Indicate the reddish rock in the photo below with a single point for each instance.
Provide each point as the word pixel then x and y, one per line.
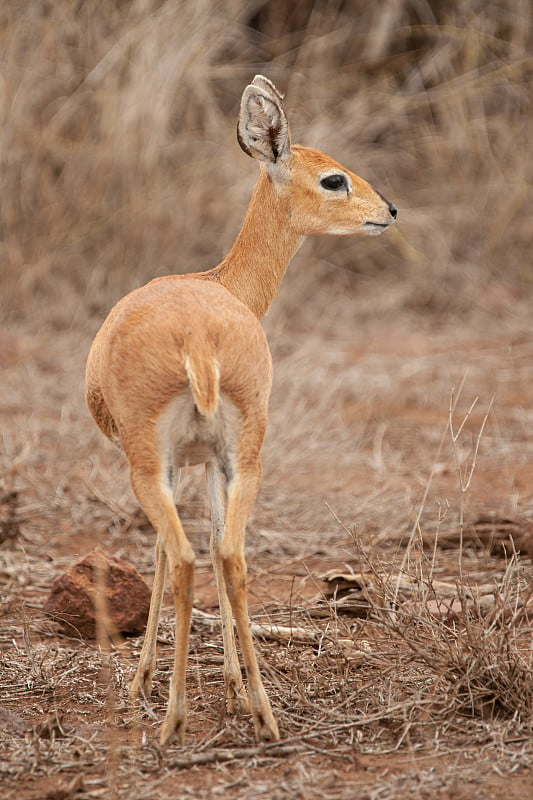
pixel 73 598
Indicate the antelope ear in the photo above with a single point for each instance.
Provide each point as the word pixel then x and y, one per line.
pixel 263 130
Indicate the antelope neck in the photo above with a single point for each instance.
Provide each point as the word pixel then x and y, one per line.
pixel 255 265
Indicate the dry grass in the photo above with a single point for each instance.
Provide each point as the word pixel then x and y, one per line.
pixel 119 162
pixel 117 139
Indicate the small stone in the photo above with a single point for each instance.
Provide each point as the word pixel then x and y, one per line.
pixel 73 598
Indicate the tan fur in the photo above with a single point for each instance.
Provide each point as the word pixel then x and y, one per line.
pixel 203 375
pixel 180 373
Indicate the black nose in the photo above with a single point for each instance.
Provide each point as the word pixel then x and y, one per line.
pixel 392 208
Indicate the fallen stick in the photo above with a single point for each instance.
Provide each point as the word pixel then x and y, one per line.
pixel 356 651
pixel 275 632
pixel 214 756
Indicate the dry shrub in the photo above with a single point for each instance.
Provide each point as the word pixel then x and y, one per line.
pixel 480 659
pixel 469 641
pixel 118 157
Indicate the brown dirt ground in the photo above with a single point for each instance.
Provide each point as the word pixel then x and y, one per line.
pixel 359 468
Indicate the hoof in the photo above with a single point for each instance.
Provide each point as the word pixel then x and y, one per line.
pixel 172 732
pixel 237 700
pixel 266 730
pixel 142 684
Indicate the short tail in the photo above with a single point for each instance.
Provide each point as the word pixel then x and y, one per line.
pixel 204 379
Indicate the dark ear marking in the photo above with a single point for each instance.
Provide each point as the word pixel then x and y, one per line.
pixel 243 144
pixel 273 133
pixel 263 130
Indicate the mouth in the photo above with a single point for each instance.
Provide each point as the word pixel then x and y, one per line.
pixel 375 228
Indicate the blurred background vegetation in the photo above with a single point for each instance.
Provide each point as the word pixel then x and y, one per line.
pixel 119 161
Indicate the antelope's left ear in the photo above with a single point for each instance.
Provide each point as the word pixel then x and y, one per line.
pixel 263 130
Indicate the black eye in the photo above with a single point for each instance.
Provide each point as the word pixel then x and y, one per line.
pixel 334 182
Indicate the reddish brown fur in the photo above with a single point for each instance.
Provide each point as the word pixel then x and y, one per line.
pixel 137 361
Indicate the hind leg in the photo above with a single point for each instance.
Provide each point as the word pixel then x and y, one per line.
pixel 236 699
pixel 241 496
pixel 142 682
pixel 157 501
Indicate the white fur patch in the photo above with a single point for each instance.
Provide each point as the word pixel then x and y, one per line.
pixel 187 438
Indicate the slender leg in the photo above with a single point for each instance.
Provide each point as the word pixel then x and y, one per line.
pixel 158 504
pixel 241 497
pixel 236 699
pixel 142 682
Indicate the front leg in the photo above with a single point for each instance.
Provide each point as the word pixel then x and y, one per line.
pixel 142 682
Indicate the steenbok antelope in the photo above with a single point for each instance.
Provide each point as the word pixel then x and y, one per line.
pixel 180 374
